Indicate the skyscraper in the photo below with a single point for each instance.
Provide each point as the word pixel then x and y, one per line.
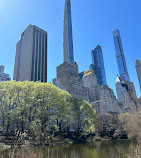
pixel 120 56
pixel 31 55
pixel 98 65
pixel 138 69
pixel 4 76
pixel 67 34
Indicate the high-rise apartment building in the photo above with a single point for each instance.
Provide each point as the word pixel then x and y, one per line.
pixel 67 34
pixel 138 69
pixel 31 55
pixel 120 56
pixel 4 76
pixel 98 65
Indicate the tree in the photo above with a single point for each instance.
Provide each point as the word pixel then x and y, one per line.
pixel 84 115
pixel 42 109
pixel 132 125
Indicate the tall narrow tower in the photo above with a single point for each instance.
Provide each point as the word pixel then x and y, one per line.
pixel 68 39
pixel 120 56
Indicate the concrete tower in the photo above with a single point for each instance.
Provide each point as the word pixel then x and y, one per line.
pixel 120 56
pixel 67 34
pixel 31 55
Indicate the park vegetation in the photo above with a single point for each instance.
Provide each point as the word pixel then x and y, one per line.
pixel 131 124
pixel 124 126
pixel 44 112
pixel 43 109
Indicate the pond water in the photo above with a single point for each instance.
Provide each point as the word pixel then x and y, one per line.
pixel 108 149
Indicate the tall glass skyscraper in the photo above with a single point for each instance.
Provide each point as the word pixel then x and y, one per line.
pixel 120 56
pixel 98 65
pixel 67 34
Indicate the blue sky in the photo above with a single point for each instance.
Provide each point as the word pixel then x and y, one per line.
pixel 93 22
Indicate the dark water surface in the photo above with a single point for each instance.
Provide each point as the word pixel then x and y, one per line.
pixel 108 149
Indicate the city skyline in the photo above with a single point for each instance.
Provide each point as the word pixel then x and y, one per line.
pixel 81 51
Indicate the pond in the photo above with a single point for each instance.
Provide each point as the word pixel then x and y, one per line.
pixel 107 149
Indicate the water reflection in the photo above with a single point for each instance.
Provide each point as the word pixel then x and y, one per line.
pixel 116 149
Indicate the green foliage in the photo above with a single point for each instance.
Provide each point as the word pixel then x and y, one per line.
pixel 83 115
pixel 42 108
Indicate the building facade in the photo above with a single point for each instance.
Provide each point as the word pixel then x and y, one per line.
pixel 69 79
pixel 126 95
pixel 120 56
pixel 31 55
pixel 100 96
pixel 98 65
pixel 4 76
pixel 67 34
pixel 138 70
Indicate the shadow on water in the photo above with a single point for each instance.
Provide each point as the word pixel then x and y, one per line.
pixel 107 149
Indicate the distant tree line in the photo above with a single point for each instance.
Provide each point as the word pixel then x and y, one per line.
pixel 42 108
pixel 124 126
